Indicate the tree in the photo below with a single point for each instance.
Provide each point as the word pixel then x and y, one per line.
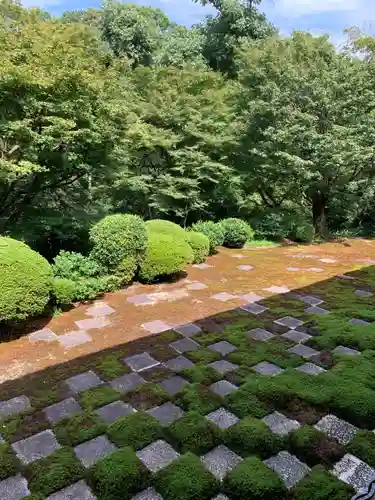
pixel 180 46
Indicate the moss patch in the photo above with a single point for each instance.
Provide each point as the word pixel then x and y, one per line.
pixel 321 485
pixel 78 429
pixel 98 396
pixel 194 433
pixel 198 398
pixel 147 396
pixel 8 462
pixel 136 430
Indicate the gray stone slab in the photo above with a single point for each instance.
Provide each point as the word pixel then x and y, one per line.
pixel 141 362
pixel 223 418
pixel 83 381
pixel 340 349
pixel 111 412
pixel 43 335
pixel 166 414
pixel 196 286
pixel 202 266
pixel 265 368
pixel 91 323
pixel 35 447
pixel 178 364
pixel 221 497
pixel 310 300
pixel 223 366
pixel 363 293
pixel 303 350
pixel 316 310
pixel 173 385
pixel 14 488
pixel 245 268
pixel 355 472
pixel 14 406
pixel 289 322
pixel 223 296
pixel 76 491
pixel 157 455
pixel 223 388
pixel 149 494
pixel 279 424
pixel 61 410
pixel 184 345
pixel 127 382
pixel 141 300
pixel 223 347
pixel 94 450
pixel 345 277
pixel 336 428
pixel 74 338
pixel 251 297
pixel 311 369
pixel 296 336
pixel 359 322
pixel 254 308
pixel 220 461
pixel 156 326
pixel 188 330
pixel 288 467
pixel 100 310
pixel 260 334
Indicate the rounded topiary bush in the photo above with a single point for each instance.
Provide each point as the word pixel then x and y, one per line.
pixel 166 227
pixel 236 232
pixel 26 281
pixel 214 232
pixel 64 290
pixel 165 255
pixel 200 245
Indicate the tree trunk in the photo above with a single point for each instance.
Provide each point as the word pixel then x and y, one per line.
pixel 319 205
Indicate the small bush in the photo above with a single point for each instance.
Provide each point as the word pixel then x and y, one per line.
pixel 200 245
pixel 236 232
pixel 74 266
pixel 165 255
pixel 321 485
pixel 136 430
pixel 161 226
pixel 90 288
pixel 363 446
pixel 194 433
pixel 8 462
pixel 64 290
pixel 78 429
pixel 214 232
pixel 26 281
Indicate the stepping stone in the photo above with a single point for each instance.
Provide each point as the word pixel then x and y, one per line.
pixel 178 364
pixel 223 418
pixel 35 447
pixel 254 308
pixel 127 382
pixel 223 366
pixel 188 330
pixel 220 461
pixel 245 268
pixel 223 347
pixel 360 322
pixel 293 269
pixel 184 345
pixel 296 336
pixel 340 349
pixel 14 406
pixel 149 494
pixel 44 335
pixel 157 455
pixel 61 410
pixel 265 368
pixel 221 497
pixel 202 266
pixel 260 334
pixel 76 491
pixel 363 293
pixel 74 338
pixel 316 310
pixel 238 256
pixel 345 277
pixel 83 381
pixel 156 326
pixel 328 261
pixel 277 289
pixel 94 450
pixel 100 310
pixel 141 300
pixel 166 414
pixel 310 300
pixel 223 296
pixel 223 388
pixel 289 322
pixel 111 412
pixel 336 428
pixel 14 488
pixel 315 269
pixel 279 424
pixel 251 297
pixel 173 385
pixel 197 286
pixel 288 467
pixel 303 350
pixel 311 369
pixel 141 362
pixel 91 323
pixel 355 472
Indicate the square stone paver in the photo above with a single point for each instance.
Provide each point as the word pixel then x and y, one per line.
pixel 340 349
pixel 91 323
pixel 315 269
pixel 303 350
pixel 251 297
pixel 141 362
pixel 260 334
pixel 355 472
pixel 359 322
pixel 83 381
pixel 184 345
pixel 265 368
pixel 166 414
pixel 156 326
pixel 202 266
pixel 328 261
pixel 296 336
pixel 173 385
pixel 74 338
pixel 111 412
pixel 188 330
pixel 14 488
pixel 127 382
pixel 253 308
pixel 35 447
pixel 336 428
pixel 14 406
pixel 220 461
pixel 277 289
pixel 363 293
pixel 223 418
pixel 62 410
pixel 178 364
pixel 238 256
pixel 223 366
pixel 223 296
pixel 76 491
pixel 196 286
pixel 92 451
pixel 100 310
pixel 223 347
pixel 289 322
pixel 293 269
pixel 223 388
pixel 279 424
pixel 311 369
pixel 44 335
pixel 149 494
pixel 157 455
pixel 245 268
pixel 288 467
pixel 141 300
pixel 310 300
pixel 316 310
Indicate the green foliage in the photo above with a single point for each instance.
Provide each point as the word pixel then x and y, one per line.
pixel 26 279
pixel 321 485
pixel 74 266
pixel 201 374
pixel 166 227
pixel 136 430
pixel 284 223
pixel 198 398
pixel 236 232
pixel 8 462
pixel 214 232
pixel 194 433
pixel 78 429
pixel 98 396
pixel 363 446
pixel 200 245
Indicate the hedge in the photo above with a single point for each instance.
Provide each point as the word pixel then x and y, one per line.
pixel 200 245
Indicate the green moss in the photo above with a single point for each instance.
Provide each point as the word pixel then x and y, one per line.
pixel 201 374
pixel 203 356
pixel 78 429
pixel 98 396
pixel 8 462
pixel 194 433
pixel 136 430
pixel 244 404
pixel 110 366
pixel 147 396
pixel 363 446
pixel 321 485
pixel 45 396
pixel 198 398
pixel 186 479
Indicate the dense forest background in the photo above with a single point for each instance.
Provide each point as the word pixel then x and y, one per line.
pixel 120 110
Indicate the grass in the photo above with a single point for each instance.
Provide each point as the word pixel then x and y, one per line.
pixel 261 243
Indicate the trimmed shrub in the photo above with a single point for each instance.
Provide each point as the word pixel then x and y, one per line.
pixel 236 232
pixel 165 255
pixel 136 430
pixel 194 433
pixel 166 227
pixel 26 281
pixel 200 245
pixel 214 232
pixel 74 266
pixel 321 485
pixel 64 290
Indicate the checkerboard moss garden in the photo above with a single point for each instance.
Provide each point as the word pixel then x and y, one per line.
pixel 214 423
